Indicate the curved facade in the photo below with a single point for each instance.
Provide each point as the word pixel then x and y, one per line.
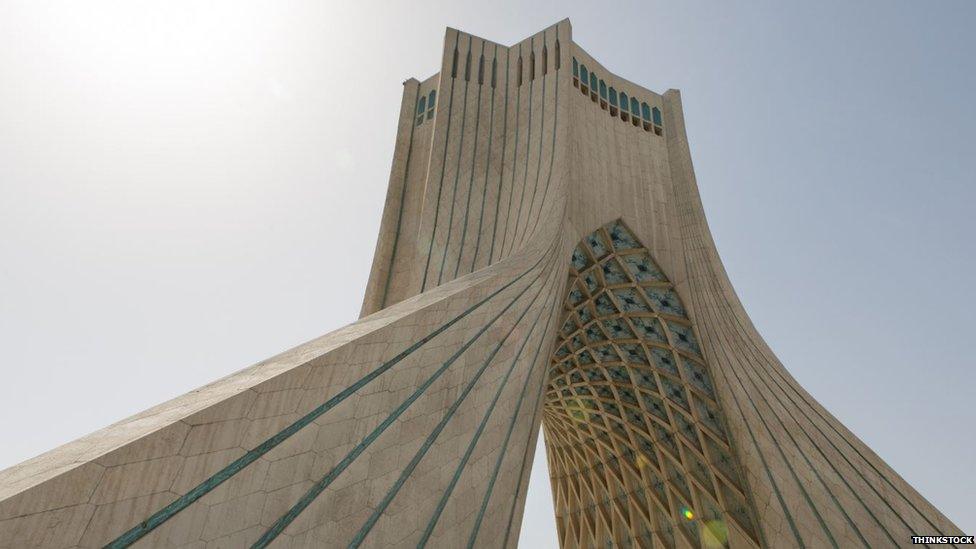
pixel 543 260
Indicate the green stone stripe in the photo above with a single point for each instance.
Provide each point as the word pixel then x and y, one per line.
pixel 511 187
pixel 538 164
pixel 184 501
pixel 501 171
pixel 827 460
pixel 440 184
pixel 457 168
pixel 884 499
pixel 525 458
pixel 762 458
pixel 329 477
pixel 403 195
pixel 474 156
pixel 432 437
pixel 508 435
pixel 442 504
pixel 528 153
pixel 484 193
pixel 552 152
pixel 810 465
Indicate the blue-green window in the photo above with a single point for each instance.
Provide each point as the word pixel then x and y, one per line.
pixel 657 116
pixel 603 90
pixel 634 106
pixel 593 81
pixel 613 96
pixel 646 111
pixel 584 75
pixel 623 101
pixel 431 99
pixel 575 68
pixel 421 107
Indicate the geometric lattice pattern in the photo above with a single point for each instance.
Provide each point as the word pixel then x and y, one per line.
pixel 637 446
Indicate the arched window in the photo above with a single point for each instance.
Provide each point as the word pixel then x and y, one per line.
pixel 657 116
pixel 623 102
pixel 454 64
pixel 613 97
pixel 545 59
pixel 646 111
pixel 557 54
pixel 575 68
pixel 532 66
pixel 421 107
pixel 494 71
pixel 603 90
pixel 593 81
pixel 518 78
pixel 467 67
pixel 481 69
pixel 634 106
pixel 584 76
pixel 431 99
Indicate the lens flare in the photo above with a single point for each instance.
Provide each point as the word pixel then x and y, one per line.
pixel 686 512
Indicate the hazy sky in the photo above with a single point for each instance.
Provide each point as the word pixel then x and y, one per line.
pixel 187 188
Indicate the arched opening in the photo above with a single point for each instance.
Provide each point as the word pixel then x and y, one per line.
pixel 421 107
pixel 631 411
pixel 658 125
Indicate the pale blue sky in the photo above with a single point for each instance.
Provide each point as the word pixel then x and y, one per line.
pixel 187 188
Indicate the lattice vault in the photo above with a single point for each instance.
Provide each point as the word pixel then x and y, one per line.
pixel 635 435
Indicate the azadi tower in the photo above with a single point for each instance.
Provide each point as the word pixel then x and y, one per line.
pixel 543 261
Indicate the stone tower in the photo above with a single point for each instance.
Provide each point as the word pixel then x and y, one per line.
pixel 543 260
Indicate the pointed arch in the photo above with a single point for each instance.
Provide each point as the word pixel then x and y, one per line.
pixel 630 395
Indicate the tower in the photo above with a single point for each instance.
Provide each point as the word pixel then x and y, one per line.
pixel 543 260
